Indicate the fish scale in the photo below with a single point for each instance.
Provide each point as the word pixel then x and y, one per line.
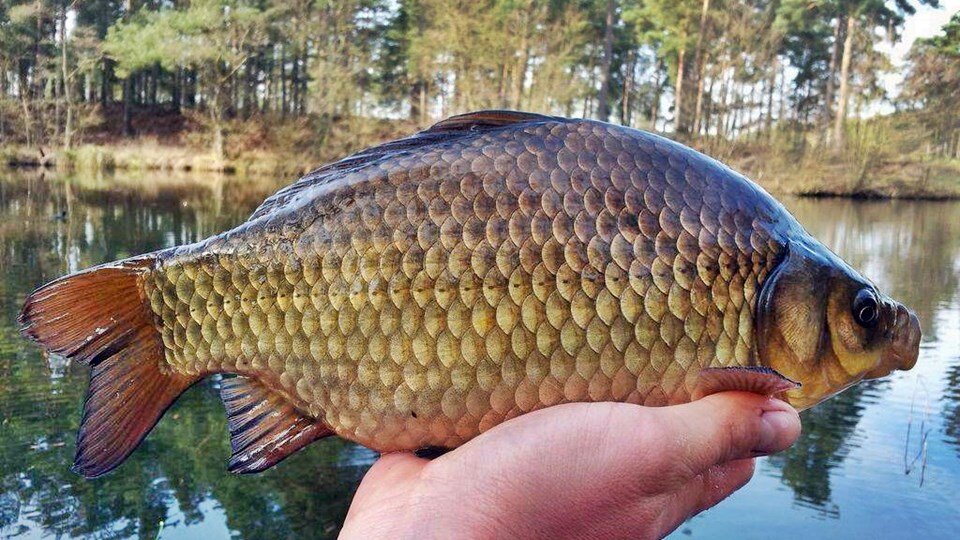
pixel 431 294
pixel 418 293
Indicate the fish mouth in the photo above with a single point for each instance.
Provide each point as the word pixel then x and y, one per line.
pixel 903 333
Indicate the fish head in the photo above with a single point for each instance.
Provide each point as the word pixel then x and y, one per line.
pixel 821 323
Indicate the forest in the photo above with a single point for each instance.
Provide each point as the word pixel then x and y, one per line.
pixel 771 86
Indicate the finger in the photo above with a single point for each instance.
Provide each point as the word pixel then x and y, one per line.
pixel 729 426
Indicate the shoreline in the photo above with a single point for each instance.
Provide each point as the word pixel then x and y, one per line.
pixel 99 159
pixel 935 180
pixel 875 196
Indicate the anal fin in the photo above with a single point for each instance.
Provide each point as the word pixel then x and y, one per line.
pixel 264 427
pixel 758 380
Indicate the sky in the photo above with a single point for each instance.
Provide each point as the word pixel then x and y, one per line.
pixel 925 23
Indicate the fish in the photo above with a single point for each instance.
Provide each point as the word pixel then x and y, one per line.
pixel 418 293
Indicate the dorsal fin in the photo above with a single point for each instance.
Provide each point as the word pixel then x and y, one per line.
pixel 445 130
pixel 264 427
pixel 490 119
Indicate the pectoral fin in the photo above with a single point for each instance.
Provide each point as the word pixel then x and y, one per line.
pixel 759 380
pixel 264 427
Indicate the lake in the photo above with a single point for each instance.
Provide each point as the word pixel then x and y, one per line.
pixel 880 460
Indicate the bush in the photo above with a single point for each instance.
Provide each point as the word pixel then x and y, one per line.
pixel 87 158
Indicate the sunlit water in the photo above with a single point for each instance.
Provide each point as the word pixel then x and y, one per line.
pixel 881 460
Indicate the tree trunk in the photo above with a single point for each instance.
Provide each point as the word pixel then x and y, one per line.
pixel 657 92
pixel 270 96
pixel 175 89
pixel 283 82
pixel 698 110
pixel 603 105
pixel 218 145
pixel 417 104
pixel 625 105
pixel 154 82
pixel 708 109
pixel 423 102
pixel 27 117
pixel 771 85
pixel 678 98
pixel 418 90
pixel 521 70
pixel 304 78
pixel 68 124
pixel 127 81
pixel 844 83
pixel 127 105
pixel 106 86
pixel 191 95
pixel 233 104
pixel 783 93
pixel 831 73
pixel 734 113
pixel 249 101
pixel 503 78
pixel 36 83
pixel 724 112
pixel 216 115
pixel 699 64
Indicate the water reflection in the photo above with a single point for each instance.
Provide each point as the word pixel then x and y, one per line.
pixel 177 480
pixel 827 438
pixel 952 405
pixel 909 249
pixel 50 226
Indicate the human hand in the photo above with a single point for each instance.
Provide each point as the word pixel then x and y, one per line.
pixel 605 470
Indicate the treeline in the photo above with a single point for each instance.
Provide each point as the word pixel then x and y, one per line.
pixel 727 69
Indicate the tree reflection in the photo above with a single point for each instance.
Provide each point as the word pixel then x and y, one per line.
pixel 909 250
pixel 49 226
pixel 826 440
pixel 952 405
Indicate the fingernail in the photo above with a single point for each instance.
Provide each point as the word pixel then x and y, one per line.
pixel 777 428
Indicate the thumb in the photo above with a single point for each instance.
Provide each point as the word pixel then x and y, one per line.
pixel 729 426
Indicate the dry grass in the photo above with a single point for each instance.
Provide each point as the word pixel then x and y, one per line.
pixel 882 158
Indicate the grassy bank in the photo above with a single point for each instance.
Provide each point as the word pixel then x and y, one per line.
pixel 150 155
pixel 169 140
pixel 885 157
pixel 909 177
pixel 934 179
pixel 881 158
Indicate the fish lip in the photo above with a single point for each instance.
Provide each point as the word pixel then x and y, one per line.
pixel 904 348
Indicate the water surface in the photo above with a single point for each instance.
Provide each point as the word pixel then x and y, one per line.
pixel 882 459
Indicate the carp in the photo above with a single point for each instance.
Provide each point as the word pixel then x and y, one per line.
pixel 418 293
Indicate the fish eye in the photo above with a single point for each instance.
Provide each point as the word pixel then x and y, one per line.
pixel 865 309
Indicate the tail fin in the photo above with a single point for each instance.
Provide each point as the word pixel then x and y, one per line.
pixel 101 317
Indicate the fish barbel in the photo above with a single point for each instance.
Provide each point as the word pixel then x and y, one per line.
pixel 423 291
